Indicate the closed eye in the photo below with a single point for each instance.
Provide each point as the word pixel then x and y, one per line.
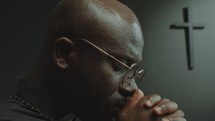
pixel 118 67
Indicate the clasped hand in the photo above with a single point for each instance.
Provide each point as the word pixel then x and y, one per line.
pixel 150 108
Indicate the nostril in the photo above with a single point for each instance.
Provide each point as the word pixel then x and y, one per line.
pixel 128 90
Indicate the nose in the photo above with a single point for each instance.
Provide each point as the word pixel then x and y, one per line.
pixel 128 90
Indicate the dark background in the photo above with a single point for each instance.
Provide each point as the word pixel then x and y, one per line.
pixel 23 27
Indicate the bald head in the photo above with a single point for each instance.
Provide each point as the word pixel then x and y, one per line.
pixel 75 69
pixel 89 18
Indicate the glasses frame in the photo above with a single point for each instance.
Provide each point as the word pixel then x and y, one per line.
pixel 135 73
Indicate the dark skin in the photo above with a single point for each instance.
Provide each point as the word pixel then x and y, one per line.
pixel 86 79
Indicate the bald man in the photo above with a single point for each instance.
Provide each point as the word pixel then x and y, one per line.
pixel 88 70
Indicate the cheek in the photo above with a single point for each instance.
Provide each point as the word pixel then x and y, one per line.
pixel 95 80
pixel 101 80
pixel 97 85
pixel 109 79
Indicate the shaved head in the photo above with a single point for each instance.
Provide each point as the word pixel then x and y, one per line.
pixel 88 79
pixel 88 18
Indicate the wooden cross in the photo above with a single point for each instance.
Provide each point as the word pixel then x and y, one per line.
pixel 188 26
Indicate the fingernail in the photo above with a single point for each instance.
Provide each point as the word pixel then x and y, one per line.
pixel 158 110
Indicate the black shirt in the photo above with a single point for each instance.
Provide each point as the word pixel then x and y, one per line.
pixel 30 102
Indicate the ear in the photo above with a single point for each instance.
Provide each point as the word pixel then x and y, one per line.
pixel 63 52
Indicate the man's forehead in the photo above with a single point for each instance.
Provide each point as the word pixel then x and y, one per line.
pixel 120 34
pixel 125 42
pixel 128 58
pixel 126 50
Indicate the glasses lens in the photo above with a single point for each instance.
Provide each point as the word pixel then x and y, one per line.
pixel 139 75
pixel 131 73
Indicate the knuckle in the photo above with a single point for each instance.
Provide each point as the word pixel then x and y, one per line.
pixel 164 108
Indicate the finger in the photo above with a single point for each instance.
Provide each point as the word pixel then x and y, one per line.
pixel 177 114
pixel 167 107
pixel 132 101
pixel 152 100
pixel 164 100
pixel 174 119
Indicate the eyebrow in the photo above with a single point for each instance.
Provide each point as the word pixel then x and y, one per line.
pixel 128 60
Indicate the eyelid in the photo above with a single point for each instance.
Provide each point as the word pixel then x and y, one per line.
pixel 125 62
pixel 119 67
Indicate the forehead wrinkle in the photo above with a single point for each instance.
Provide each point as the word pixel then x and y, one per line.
pixel 130 45
pixel 125 48
pixel 133 56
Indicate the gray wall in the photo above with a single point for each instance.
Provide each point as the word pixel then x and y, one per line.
pixel 165 58
pixel 22 29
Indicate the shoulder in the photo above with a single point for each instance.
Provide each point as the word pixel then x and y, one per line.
pixel 12 110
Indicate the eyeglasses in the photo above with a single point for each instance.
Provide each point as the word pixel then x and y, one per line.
pixel 132 72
